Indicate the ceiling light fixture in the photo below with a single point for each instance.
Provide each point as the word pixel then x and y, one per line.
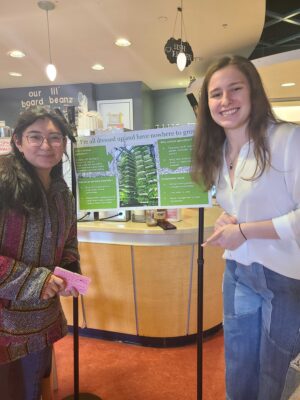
pixel 181 57
pixel 50 69
pixel 97 67
pixel 178 51
pixel 162 18
pixel 122 42
pixel 288 84
pixel 15 74
pixel 16 54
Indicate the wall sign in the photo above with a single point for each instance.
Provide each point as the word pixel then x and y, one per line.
pixel 173 47
pixel 15 100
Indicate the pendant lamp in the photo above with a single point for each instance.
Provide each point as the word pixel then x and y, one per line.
pixel 50 69
pixel 176 50
pixel 181 57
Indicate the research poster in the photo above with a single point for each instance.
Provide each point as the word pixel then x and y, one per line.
pixel 145 169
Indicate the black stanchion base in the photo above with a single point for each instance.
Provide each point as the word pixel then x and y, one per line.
pixel 83 396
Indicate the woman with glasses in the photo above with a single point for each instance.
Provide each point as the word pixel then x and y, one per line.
pixel 37 233
pixel 253 159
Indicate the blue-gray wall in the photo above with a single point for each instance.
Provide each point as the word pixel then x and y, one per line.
pixel 151 108
pixel 125 90
pixel 171 106
pixel 15 100
pixel 148 107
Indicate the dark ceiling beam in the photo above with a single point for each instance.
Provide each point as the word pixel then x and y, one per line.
pixel 282 18
pixel 288 39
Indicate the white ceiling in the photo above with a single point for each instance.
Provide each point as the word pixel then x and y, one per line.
pixel 83 33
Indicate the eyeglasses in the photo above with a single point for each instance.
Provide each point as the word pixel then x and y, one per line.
pixel 36 140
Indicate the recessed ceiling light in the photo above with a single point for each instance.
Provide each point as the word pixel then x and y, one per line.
pixel 122 42
pixel 288 84
pixel 15 74
pixel 97 67
pixel 162 18
pixel 16 53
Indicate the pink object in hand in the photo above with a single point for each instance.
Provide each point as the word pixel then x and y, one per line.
pixel 73 280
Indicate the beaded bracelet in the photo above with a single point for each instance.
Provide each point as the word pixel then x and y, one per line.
pixel 242 232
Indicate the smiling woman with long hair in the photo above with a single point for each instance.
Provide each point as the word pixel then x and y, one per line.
pixel 253 160
pixel 37 233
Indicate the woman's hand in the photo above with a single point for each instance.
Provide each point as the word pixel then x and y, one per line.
pixel 52 287
pixel 224 219
pixel 228 234
pixel 70 292
pixel 228 237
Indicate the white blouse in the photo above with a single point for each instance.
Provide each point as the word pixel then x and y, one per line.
pixel 275 195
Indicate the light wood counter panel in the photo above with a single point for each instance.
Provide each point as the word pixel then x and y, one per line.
pixel 148 286
pixel 162 290
pixel 109 303
pixel 212 289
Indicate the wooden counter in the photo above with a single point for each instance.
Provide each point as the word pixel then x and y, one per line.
pixel 144 279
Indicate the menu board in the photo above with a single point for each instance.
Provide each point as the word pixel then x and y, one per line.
pixel 145 169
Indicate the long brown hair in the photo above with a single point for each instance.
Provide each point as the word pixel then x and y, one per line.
pixel 207 158
pixel 20 186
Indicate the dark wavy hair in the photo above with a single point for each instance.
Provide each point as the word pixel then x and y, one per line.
pixel 20 186
pixel 207 157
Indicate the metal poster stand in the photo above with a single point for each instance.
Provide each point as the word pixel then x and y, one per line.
pixel 200 263
pixel 76 395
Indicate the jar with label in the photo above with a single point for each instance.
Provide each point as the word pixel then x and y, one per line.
pixel 160 213
pixel 150 218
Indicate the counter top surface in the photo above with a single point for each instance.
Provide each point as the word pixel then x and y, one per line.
pixel 138 233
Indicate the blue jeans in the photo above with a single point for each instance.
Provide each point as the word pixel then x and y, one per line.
pixel 262 333
pixel 21 379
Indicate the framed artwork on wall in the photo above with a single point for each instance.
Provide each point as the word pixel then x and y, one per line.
pixel 116 113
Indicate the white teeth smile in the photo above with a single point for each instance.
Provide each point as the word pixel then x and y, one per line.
pixel 229 112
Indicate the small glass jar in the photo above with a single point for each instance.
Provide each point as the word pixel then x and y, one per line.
pixel 138 216
pixel 150 218
pixel 160 213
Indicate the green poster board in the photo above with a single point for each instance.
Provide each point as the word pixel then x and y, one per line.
pixel 140 169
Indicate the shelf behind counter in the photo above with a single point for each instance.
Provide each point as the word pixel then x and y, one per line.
pixel 144 279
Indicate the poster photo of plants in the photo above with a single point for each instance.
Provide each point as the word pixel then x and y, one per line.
pixel 137 176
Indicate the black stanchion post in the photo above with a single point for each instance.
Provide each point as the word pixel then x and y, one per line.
pixel 76 347
pixel 200 263
pixel 76 395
